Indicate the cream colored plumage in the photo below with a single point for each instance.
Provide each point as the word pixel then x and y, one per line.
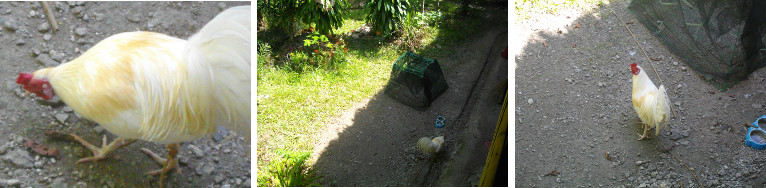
pixel 650 103
pixel 158 88
pixel 428 145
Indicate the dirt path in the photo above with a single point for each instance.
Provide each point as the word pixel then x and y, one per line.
pixel 373 143
pixel 573 89
pixel 29 44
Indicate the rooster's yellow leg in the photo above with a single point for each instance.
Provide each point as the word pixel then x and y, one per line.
pixel 646 128
pixel 167 164
pixel 104 150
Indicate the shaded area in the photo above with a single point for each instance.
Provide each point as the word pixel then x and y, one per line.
pixel 574 114
pixel 374 142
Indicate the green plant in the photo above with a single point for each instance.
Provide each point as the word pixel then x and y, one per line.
pixel 290 171
pixel 318 51
pixel 264 53
pixel 430 18
pixel 326 15
pixel 386 15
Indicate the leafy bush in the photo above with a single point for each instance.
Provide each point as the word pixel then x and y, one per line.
pixel 386 16
pixel 289 15
pixel 290 171
pixel 326 15
pixel 318 51
pixel 264 53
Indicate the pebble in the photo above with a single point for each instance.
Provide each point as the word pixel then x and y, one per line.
pixel 10 182
pixel 47 36
pixel 683 68
pixel 218 178
pixel 56 56
pixel 20 42
pixel 61 118
pixel 11 24
pixel 227 150
pixel 45 60
pixel 756 105
pixel 81 31
pixel 600 84
pixel 221 5
pixel 226 186
pixel 208 169
pixel 675 63
pixel 530 101
pixel 39 164
pixel 19 158
pixel 98 129
pixel 197 152
pixel 44 27
pixel 66 109
pixel 134 18
pixel 568 80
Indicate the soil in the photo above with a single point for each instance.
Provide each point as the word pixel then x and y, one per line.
pixel 574 114
pixel 30 44
pixel 374 142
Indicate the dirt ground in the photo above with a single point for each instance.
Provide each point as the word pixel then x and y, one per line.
pixel 30 44
pixel 374 142
pixel 574 112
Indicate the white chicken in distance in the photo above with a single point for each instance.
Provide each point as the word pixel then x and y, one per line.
pixel 651 103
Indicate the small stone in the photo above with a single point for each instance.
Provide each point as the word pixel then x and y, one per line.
pixel 98 129
pixel 10 182
pixel 47 36
pixel 226 186
pixel 638 163
pixel 53 160
pixel 183 160
pixel 44 27
pixel 19 158
pixel 61 118
pixel 569 80
pixel 66 109
pixel 683 68
pixel 218 178
pixel 134 18
pixel 600 84
pixel 221 5
pixel 20 42
pixel 675 63
pixel 11 24
pixel 530 101
pixel 677 103
pixel 679 86
pixel 197 152
pixel 227 150
pixel 208 169
pixel 81 31
pixel 39 164
pixel 81 185
pixel 757 106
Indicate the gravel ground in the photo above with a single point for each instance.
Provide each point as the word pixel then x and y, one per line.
pixel 30 44
pixel 575 124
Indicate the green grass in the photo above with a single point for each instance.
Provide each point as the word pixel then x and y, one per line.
pixel 526 7
pixel 294 107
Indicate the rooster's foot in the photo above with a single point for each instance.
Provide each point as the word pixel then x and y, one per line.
pixel 167 164
pixel 101 152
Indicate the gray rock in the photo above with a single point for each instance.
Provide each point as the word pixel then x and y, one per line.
pixel 19 158
pixel 66 109
pixel 208 169
pixel 197 152
pixel 45 60
pixel 221 5
pixel 81 185
pixel 247 182
pixel 98 129
pixel 39 164
pixel 225 186
pixel 44 27
pixel 183 160
pixel 218 178
pixel 55 55
pixel 757 106
pixel 227 150
pixel 47 36
pixel 81 31
pixel 11 24
pixel 10 182
pixel 134 18
pixel 20 42
pixel 61 118
pixel 58 182
pixel 530 101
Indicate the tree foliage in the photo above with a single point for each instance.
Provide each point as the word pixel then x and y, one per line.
pixel 386 16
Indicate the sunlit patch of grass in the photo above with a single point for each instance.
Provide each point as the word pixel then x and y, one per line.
pixel 526 7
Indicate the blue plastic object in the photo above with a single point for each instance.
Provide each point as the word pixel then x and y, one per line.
pixel 440 122
pixel 756 137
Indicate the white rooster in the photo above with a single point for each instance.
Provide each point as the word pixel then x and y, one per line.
pixel 153 87
pixel 651 103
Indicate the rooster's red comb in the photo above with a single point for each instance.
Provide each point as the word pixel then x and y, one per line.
pixel 24 78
